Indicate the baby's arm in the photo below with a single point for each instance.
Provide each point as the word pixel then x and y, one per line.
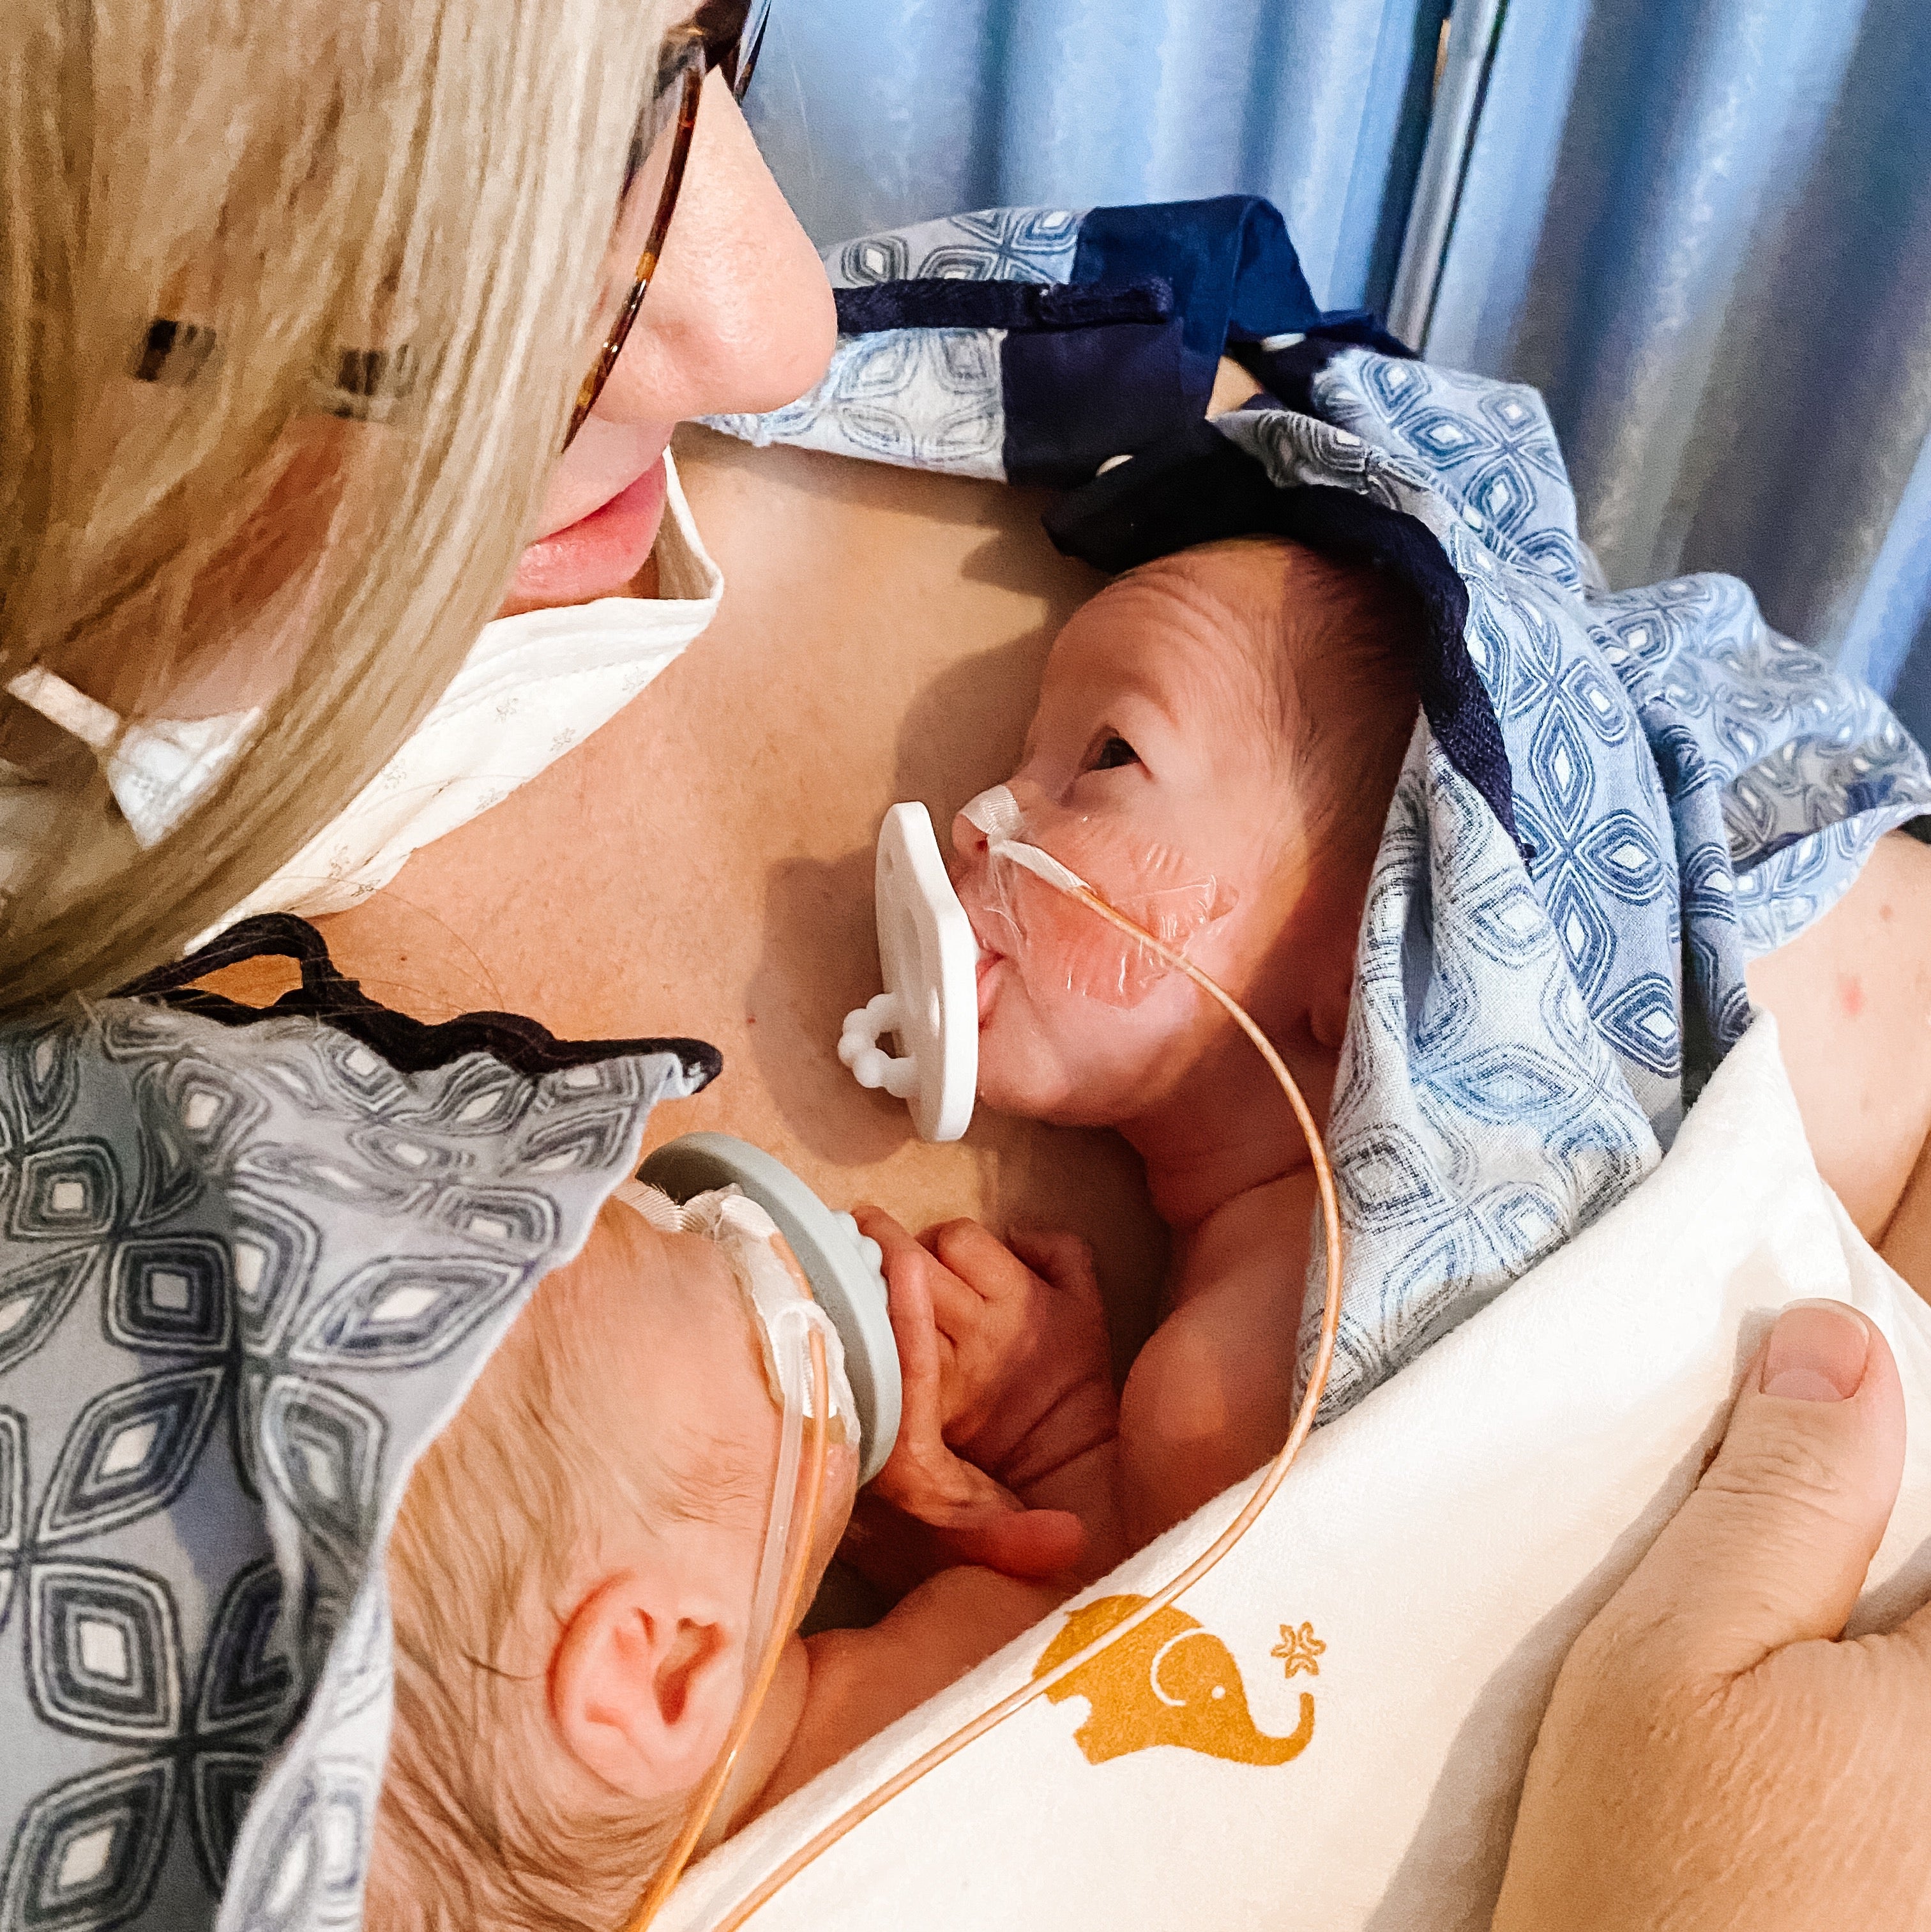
pixel 1008 1366
pixel 1210 1397
pixel 860 1681
pixel 1008 1450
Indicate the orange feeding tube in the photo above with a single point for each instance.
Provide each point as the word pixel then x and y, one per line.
pixel 805 1536
pixel 1065 881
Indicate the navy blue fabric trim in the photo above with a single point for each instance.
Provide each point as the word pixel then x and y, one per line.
pixel 1196 486
pixel 1234 273
pixel 1074 397
pixel 1233 280
pixel 941 302
pixel 410 1045
pixel 1290 372
pixel 1364 328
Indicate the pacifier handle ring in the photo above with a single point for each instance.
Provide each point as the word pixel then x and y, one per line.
pixel 872 1066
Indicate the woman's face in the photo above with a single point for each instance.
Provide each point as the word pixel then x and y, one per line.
pixel 738 317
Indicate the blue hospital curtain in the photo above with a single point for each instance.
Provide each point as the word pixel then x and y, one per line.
pixel 875 112
pixel 1703 229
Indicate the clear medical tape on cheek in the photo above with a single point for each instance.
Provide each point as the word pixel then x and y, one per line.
pixel 1053 940
pixel 999 818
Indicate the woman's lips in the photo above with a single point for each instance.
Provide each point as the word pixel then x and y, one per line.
pixel 597 554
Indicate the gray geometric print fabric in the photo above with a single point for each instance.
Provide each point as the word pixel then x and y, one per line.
pixel 245 1276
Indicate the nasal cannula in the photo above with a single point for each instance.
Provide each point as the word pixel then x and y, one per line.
pixel 929 979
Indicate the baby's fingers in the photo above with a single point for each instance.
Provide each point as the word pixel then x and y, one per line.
pixel 947 1299
pixel 1033 1543
pixel 1063 1259
pixel 979 1259
pixel 914 1328
pixel 976 1520
pixel 894 1244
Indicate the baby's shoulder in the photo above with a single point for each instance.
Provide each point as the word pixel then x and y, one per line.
pixel 1249 1240
pixel 1852 996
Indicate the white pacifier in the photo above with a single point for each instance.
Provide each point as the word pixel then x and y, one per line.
pixel 930 1000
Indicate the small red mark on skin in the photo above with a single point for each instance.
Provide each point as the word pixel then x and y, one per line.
pixel 1884 913
pixel 1850 994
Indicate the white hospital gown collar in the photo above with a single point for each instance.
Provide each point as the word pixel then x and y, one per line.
pixel 533 687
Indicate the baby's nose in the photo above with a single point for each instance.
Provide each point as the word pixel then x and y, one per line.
pixel 993 814
pixel 968 841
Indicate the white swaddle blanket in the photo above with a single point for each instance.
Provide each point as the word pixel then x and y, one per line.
pixel 1421 1575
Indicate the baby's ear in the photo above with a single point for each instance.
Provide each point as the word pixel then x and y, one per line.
pixel 644 1681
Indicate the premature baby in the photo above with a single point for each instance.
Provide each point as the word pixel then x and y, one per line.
pixel 1217 741
pixel 572 1569
pixel 1218 738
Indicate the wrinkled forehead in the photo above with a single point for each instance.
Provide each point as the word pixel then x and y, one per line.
pixel 1199 628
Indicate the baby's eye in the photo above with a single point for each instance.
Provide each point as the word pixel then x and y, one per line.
pixel 1114 752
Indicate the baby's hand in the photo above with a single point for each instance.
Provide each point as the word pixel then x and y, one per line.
pixel 1009 1393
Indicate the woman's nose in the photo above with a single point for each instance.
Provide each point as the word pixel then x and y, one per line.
pixel 739 316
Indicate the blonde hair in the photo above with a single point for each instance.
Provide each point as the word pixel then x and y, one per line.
pixel 468 1836
pixel 309 181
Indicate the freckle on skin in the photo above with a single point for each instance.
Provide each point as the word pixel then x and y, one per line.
pixel 1884 913
pixel 1850 994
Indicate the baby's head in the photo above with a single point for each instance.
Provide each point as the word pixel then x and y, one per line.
pixel 572 1575
pixel 1218 736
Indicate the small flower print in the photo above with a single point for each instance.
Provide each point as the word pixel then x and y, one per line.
pixel 1299 1649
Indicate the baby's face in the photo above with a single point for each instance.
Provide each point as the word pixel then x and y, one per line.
pixel 676 1318
pixel 1157 768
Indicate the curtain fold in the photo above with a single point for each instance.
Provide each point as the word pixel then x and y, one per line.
pixel 1703 229
pixel 874 113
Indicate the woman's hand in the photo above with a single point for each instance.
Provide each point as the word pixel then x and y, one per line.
pixel 1008 1399
pixel 1714 1757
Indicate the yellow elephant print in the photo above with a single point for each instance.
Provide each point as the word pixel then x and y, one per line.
pixel 1171 1681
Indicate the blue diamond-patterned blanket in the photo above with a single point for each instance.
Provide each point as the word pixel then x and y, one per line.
pixel 245 1276
pixel 1689 789
pixel 1693 790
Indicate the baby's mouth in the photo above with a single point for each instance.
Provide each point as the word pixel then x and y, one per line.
pixel 988 986
pixel 989 957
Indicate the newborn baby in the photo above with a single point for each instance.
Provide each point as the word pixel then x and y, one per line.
pixel 1217 739
pixel 572 1574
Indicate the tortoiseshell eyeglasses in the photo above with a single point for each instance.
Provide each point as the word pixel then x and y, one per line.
pixel 725 35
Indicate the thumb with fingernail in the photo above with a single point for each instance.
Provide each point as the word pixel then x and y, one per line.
pixel 1773 1545
pixel 1711 1756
